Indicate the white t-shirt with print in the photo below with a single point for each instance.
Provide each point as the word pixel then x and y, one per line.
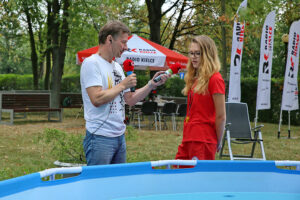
pixel 107 119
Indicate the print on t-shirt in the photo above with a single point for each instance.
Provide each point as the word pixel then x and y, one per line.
pixel 118 79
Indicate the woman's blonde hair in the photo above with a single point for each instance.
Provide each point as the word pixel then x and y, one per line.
pixel 209 64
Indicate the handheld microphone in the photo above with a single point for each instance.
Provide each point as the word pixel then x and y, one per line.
pixel 128 66
pixel 174 68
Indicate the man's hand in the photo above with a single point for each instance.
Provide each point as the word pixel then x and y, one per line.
pixel 164 78
pixel 129 81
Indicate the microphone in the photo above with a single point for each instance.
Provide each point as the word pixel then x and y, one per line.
pixel 174 68
pixel 128 66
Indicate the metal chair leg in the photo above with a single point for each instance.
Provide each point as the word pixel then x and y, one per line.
pixel 229 145
pixel 261 145
pixel 139 121
pixel 155 118
pixel 173 122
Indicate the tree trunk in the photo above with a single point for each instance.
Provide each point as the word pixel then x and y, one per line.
pixel 64 35
pixel 48 45
pixel 173 39
pixel 48 69
pixel 59 49
pixel 154 16
pixel 34 58
pixel 42 54
pixel 56 72
pixel 224 56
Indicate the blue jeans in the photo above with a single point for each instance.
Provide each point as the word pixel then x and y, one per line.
pixel 101 150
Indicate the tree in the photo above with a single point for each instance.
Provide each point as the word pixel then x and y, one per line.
pixel 34 57
pixel 189 18
pixel 224 43
pixel 155 15
pixel 13 48
pixel 48 45
pixel 169 22
pixel 60 33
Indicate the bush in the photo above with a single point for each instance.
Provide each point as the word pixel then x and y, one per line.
pixel 142 80
pixel 172 88
pixel 71 83
pixel 249 92
pixel 65 147
pixel 16 82
pixel 131 133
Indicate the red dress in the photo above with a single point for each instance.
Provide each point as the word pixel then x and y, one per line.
pixel 199 125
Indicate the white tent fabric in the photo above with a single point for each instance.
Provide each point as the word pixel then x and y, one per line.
pixel 143 54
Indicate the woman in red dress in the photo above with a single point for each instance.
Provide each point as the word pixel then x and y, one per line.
pixel 205 89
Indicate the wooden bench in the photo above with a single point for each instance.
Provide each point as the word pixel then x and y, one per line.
pixel 26 102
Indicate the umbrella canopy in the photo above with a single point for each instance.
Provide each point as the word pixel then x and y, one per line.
pixel 144 53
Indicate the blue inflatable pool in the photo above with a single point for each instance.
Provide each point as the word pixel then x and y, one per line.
pixel 209 180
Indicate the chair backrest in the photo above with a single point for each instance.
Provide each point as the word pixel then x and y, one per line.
pixel 169 108
pixel 148 107
pixel 181 111
pixel 237 115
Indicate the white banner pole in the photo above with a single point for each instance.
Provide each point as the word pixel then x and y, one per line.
pixel 280 120
pixel 256 118
pixel 289 130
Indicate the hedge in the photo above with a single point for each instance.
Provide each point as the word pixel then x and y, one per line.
pixel 16 82
pixel 173 87
pixel 248 95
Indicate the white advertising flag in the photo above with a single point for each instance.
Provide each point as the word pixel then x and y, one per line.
pixel 234 94
pixel 290 87
pixel 265 63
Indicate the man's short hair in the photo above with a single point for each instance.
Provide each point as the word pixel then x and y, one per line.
pixel 113 28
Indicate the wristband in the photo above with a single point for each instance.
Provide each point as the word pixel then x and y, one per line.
pixel 151 86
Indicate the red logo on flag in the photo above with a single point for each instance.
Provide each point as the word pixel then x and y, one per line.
pixel 133 50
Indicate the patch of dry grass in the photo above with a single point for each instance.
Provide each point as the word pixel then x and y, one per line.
pixel 21 153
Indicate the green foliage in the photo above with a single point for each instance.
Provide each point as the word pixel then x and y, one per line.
pixel 173 87
pixel 14 53
pixel 71 83
pixel 66 147
pixel 249 91
pixel 91 15
pixel 4 174
pixel 142 78
pixel 16 82
pixel 131 133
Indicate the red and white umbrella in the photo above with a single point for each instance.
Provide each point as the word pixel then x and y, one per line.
pixel 144 53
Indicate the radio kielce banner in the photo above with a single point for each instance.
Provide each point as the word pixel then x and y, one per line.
pixel 265 63
pixel 234 94
pixel 290 87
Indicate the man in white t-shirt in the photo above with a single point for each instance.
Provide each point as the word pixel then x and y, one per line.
pixel 105 90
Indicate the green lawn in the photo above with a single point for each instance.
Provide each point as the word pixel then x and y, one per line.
pixel 22 153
